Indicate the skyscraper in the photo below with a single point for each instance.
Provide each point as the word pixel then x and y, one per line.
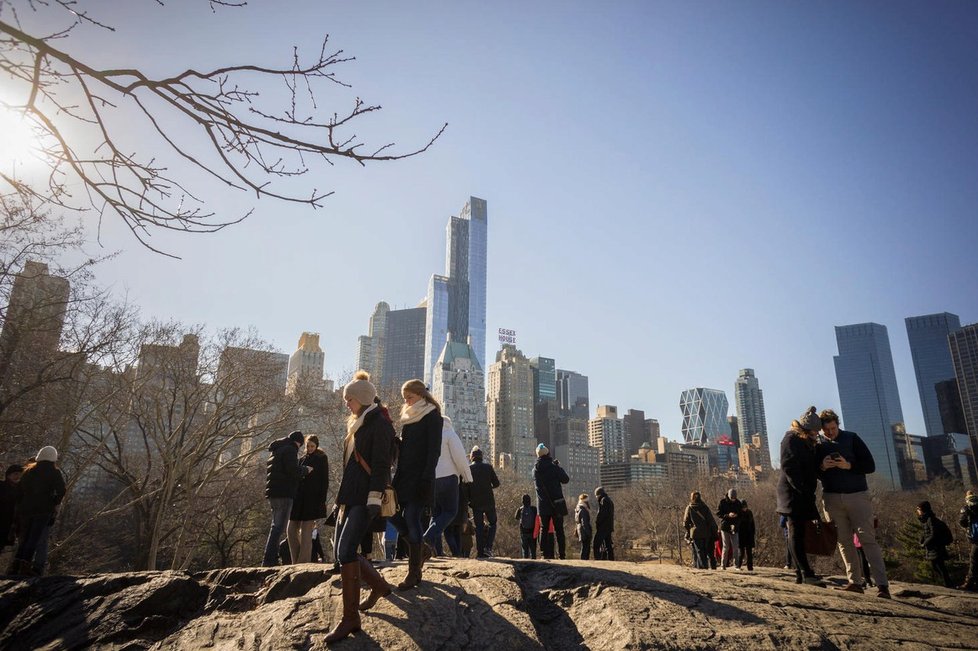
pixel 704 415
pixel 509 410
pixel 545 411
pixel 306 365
pixel 635 430
pixel 572 394
pixel 404 354
pixel 868 395
pixel 370 349
pixel 457 300
pixel 931 361
pixel 458 383
pixel 964 354
pixel 751 420
pixel 607 433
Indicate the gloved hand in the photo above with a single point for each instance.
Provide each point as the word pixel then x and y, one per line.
pixel 424 490
pixel 373 510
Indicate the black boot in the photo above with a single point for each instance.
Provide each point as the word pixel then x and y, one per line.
pixel 413 577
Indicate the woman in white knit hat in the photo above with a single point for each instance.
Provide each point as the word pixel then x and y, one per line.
pixel 366 473
pixel 42 487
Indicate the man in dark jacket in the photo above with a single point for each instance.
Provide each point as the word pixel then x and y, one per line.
pixel 483 503
pixel 843 460
pixel 728 511
pixel 283 476
pixel 604 525
pixel 969 522
pixel 547 477
pixel 934 541
pixel 526 516
pixel 8 503
pixel 746 536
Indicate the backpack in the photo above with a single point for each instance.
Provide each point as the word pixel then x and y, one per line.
pixel 942 533
pixel 528 517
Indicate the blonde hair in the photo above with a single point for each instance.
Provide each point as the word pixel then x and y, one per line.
pixel 583 497
pixel 419 388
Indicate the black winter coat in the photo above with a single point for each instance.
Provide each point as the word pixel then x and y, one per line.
pixel 41 490
pixel 417 456
pixel 374 440
pixel 746 530
pixel 484 480
pixel 604 521
pixel 310 498
pixel 548 476
pixel 582 515
pixel 8 504
pixel 933 550
pixel 725 508
pixel 699 522
pixel 282 469
pixel 797 484
pixel 463 506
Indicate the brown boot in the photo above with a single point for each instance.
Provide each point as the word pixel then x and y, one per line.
pixel 413 577
pixel 379 587
pixel 350 573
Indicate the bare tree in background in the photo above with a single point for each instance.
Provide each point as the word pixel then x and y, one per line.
pixel 216 121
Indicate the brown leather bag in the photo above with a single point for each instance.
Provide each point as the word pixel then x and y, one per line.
pixel 821 538
pixel 388 504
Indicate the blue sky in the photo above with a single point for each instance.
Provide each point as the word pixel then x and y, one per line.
pixel 676 190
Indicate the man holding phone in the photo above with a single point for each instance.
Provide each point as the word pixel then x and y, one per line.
pixel 843 461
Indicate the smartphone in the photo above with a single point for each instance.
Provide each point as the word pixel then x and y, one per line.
pixel 835 456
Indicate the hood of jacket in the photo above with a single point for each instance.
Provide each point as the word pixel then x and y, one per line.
pixel 276 444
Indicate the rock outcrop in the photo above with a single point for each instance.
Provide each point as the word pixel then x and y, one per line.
pixel 499 604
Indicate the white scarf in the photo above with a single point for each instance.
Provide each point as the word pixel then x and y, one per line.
pixel 351 429
pixel 417 411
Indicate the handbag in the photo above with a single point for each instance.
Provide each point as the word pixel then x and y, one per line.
pixel 388 501
pixel 821 538
pixel 560 507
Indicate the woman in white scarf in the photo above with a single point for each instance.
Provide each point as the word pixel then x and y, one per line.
pixel 420 447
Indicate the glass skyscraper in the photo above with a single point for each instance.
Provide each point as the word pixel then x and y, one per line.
pixel 404 348
pixel 704 415
pixel 458 299
pixel 868 394
pixel 964 354
pixel 572 394
pixel 931 361
pixel 750 413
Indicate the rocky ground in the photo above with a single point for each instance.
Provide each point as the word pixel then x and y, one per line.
pixel 498 604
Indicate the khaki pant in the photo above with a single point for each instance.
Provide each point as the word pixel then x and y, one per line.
pixel 853 513
pixel 300 540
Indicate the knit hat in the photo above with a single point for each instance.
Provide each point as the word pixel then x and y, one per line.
pixel 810 420
pixel 476 453
pixel 360 389
pixel 542 450
pixel 47 453
pixel 297 437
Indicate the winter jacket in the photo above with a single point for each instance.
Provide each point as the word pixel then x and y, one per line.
pixel 374 440
pixel 725 508
pixel 933 549
pixel 582 516
pixel 969 514
pixel 310 498
pixel 452 460
pixel 604 522
pixel 547 477
pixel 282 469
pixel 699 522
pixel 797 483
pixel 853 450
pixel 484 480
pixel 42 487
pixel 746 530
pixel 417 457
pixel 8 504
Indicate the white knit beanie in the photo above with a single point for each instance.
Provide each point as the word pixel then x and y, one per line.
pixel 47 453
pixel 360 389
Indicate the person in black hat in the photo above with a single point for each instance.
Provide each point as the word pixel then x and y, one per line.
pixel 935 539
pixel 283 476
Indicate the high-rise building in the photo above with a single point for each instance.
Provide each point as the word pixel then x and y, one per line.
pixel 734 424
pixel 545 411
pixel 458 299
pixel 307 364
pixel 404 353
pixel 607 433
pixel 704 415
pixel 509 410
pixel 371 347
pixel 931 361
pixel 868 395
pixel 583 466
pixel 949 406
pixel 751 420
pixel 572 394
pixel 264 368
pixel 652 425
pixel 458 383
pixel 635 430
pixel 964 354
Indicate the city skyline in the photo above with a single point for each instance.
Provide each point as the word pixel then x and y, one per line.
pixel 729 143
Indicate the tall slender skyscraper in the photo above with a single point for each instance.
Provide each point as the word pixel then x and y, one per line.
pixel 509 410
pixel 307 363
pixel 371 347
pixel 607 433
pixel 572 395
pixel 931 361
pixel 458 299
pixel 869 397
pixel 545 411
pixel 751 420
pixel 704 415
pixel 964 354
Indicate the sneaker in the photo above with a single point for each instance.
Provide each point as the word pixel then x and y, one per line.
pixel 851 587
pixel 883 592
pixel 813 580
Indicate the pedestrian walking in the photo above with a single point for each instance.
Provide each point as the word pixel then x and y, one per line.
pixel 452 465
pixel 728 511
pixel 483 503
pixel 701 529
pixel 283 474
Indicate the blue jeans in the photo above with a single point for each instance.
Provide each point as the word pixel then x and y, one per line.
pixel 35 537
pixel 703 558
pixel 281 508
pixel 408 521
pixel 446 506
pixel 354 525
pixel 484 536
